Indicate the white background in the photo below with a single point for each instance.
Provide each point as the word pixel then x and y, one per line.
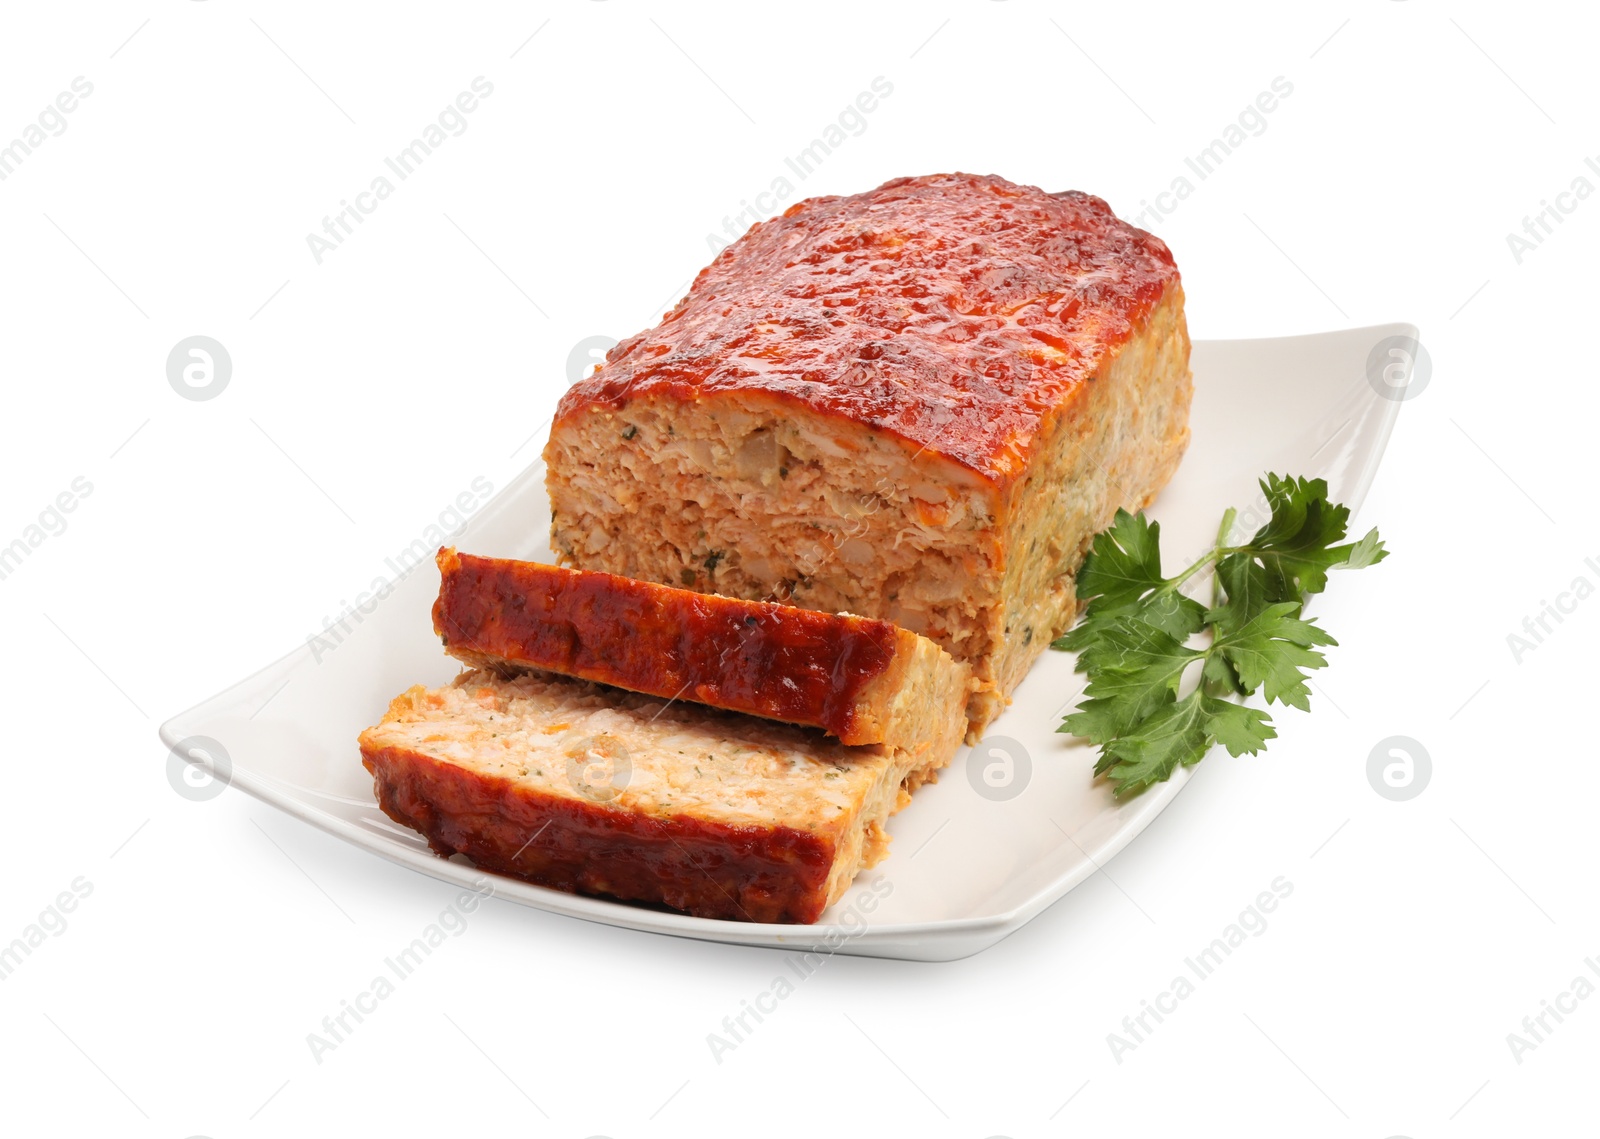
pixel 371 389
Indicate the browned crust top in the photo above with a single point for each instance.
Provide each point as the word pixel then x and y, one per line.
pixel 955 311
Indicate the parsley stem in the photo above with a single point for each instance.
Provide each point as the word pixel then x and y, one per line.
pixel 1222 536
pixel 1206 559
pixel 1228 516
pixel 1215 553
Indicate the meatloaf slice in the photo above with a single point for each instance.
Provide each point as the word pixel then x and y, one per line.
pixel 862 680
pixel 917 404
pixel 594 790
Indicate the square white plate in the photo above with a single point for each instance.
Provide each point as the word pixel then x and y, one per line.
pixel 987 858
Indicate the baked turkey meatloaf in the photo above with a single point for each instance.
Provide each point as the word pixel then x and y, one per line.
pixel 862 680
pixel 594 790
pixel 917 404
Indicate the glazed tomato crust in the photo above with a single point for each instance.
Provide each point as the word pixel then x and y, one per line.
pixel 955 311
pixel 706 869
pixel 756 657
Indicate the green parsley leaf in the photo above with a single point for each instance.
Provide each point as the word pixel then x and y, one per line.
pixel 1134 671
pixel 1182 733
pixel 1273 651
pixel 1124 562
pixel 1368 551
pixel 1297 545
pixel 1135 640
pixel 1121 577
pixel 1243 582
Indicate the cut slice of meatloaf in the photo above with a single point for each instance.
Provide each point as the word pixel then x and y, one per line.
pixel 862 680
pixel 594 790
pixel 917 404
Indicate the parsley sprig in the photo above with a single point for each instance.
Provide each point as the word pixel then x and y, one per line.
pixel 1136 638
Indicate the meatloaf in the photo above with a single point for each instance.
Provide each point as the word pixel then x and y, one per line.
pixel 594 790
pixel 916 404
pixel 862 680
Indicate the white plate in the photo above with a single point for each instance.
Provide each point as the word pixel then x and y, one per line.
pixel 982 865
